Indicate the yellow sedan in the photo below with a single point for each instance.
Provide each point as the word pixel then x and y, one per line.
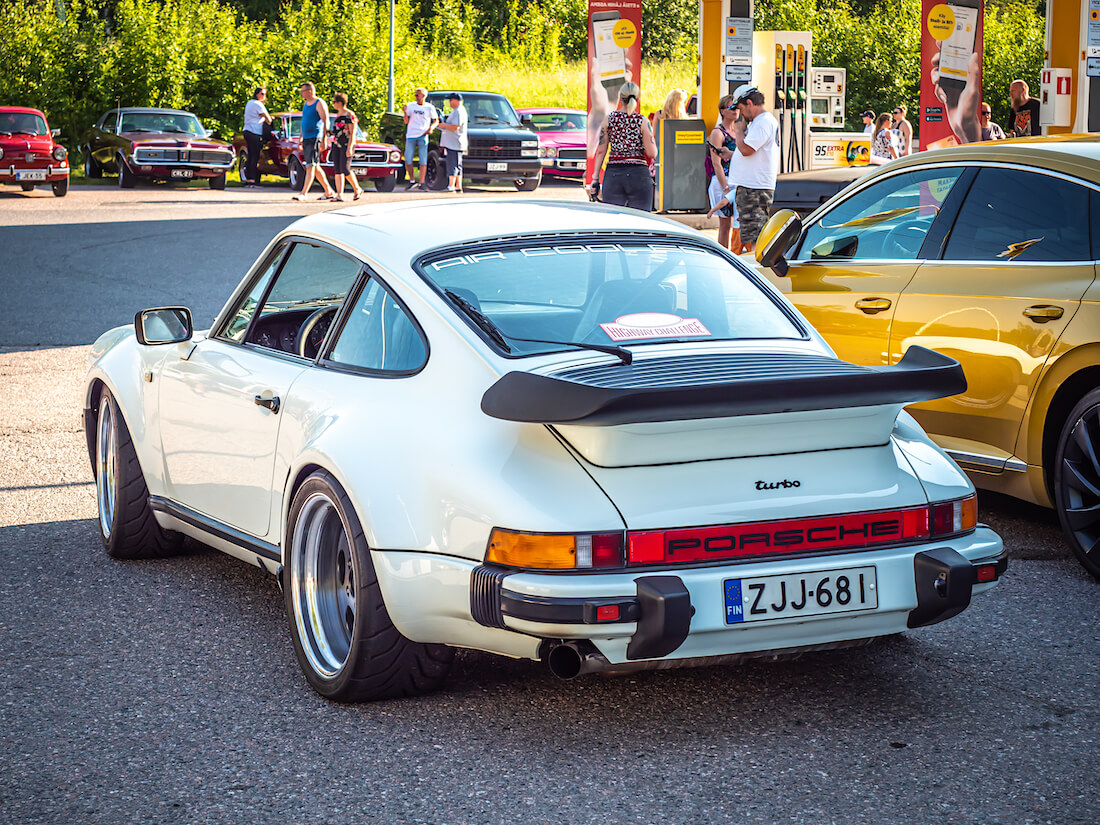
pixel 987 253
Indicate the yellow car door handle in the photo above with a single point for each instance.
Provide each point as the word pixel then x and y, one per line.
pixel 872 305
pixel 1043 313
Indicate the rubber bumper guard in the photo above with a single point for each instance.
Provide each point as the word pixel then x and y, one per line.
pixel 944 581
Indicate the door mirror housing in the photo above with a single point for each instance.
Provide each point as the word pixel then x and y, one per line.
pixel 777 236
pixel 163 325
pixel 55 132
pixel 527 121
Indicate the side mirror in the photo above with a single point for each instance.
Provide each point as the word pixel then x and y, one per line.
pixel 528 121
pixel 163 325
pixel 209 132
pixel 55 132
pixel 777 236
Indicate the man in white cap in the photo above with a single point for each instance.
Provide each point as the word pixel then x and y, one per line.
pixel 755 163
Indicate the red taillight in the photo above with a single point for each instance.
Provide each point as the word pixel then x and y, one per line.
pixel 986 573
pixel 949 517
pixel 607 551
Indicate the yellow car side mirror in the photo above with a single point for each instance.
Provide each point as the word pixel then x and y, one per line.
pixel 777 236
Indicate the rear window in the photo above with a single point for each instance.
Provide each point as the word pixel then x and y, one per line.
pixel 607 292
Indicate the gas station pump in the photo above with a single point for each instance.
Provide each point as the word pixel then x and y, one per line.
pixel 782 62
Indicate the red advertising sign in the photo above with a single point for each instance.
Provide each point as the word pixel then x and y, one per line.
pixel 614 58
pixel 951 72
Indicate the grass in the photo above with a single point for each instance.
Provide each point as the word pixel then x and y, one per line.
pixel 563 85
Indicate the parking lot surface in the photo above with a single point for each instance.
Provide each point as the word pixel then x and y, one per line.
pixel 167 691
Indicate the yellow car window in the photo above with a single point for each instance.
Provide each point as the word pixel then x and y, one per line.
pixel 886 221
pixel 1013 215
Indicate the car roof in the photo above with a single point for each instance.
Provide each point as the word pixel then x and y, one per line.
pixel 463 92
pixel 150 110
pixel 1076 154
pixel 393 234
pixel 27 110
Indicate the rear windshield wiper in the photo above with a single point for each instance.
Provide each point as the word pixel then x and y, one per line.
pixel 493 331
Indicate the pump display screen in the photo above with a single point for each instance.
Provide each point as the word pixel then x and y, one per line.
pixel 819 106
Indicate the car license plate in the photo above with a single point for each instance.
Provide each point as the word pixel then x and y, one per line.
pixel 31 174
pixel 800 594
pixel 496 167
pixel 185 174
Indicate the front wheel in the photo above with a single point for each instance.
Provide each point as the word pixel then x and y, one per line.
pixel 1077 481
pixel 346 644
pixel 386 183
pixel 91 168
pixel 218 181
pixel 297 173
pixel 529 184
pixel 126 522
pixel 436 178
pixel 242 165
pixel 126 177
pixel 60 188
pixel 26 187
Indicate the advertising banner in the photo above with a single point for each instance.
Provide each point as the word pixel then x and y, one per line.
pixel 614 57
pixel 837 149
pixel 951 72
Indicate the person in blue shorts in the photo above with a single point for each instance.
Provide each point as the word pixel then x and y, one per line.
pixel 421 118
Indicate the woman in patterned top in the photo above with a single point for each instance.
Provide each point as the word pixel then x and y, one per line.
pixel 626 140
pixel 343 146
pixel 884 145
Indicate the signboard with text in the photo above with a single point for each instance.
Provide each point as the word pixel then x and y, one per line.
pixel 951 72
pixel 614 57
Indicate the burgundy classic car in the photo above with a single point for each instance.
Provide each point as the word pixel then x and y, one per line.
pixel 28 154
pixel 562 139
pixel 161 144
pixel 282 155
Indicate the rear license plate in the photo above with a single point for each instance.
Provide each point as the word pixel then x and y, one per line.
pixel 185 174
pixel 800 594
pixel 31 174
pixel 496 167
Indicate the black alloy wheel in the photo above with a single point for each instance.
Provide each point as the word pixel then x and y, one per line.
pixel 1077 481
pixel 436 178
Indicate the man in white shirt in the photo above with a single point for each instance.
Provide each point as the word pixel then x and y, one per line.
pixel 868 122
pixel 420 118
pixel 453 141
pixel 255 117
pixel 755 164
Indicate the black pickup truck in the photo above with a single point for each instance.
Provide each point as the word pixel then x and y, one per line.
pixel 501 146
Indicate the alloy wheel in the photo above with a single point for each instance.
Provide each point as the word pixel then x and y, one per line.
pixel 106 468
pixel 1080 479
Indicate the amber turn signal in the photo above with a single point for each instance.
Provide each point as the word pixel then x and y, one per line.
pixel 554 551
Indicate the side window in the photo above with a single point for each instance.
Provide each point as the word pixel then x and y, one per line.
pixel 379 335
pixel 305 295
pixel 237 324
pixel 1012 215
pixel 886 221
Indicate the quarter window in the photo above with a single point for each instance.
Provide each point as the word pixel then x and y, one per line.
pixel 886 221
pixel 379 335
pixel 237 325
pixel 1013 215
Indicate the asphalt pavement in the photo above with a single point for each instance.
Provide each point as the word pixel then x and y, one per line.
pixel 167 691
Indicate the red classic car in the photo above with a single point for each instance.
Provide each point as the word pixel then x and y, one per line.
pixel 162 144
pixel 28 154
pixel 282 155
pixel 562 139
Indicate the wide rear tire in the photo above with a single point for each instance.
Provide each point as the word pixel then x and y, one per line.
pixel 126 522
pixel 1077 481
pixel 346 644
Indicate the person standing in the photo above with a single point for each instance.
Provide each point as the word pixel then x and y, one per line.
pixel 314 126
pixel 255 117
pixel 421 118
pixel 453 140
pixel 343 145
pixel 868 121
pixel 990 130
pixel 884 144
pixel 626 140
pixel 904 129
pixel 1024 120
pixel 755 164
pixel 720 148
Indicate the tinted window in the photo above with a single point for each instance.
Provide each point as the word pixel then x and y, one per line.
pixel 559 122
pixel 885 221
pixel 622 292
pixel 1012 215
pixel 480 109
pixel 22 123
pixel 379 335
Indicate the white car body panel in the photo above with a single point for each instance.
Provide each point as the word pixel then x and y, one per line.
pixel 430 475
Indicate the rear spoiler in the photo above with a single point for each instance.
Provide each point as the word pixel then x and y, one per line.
pixel 921 375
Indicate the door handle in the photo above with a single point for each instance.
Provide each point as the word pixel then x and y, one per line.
pixel 873 305
pixel 271 403
pixel 1043 313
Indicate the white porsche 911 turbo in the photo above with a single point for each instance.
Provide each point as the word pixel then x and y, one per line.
pixel 550 431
